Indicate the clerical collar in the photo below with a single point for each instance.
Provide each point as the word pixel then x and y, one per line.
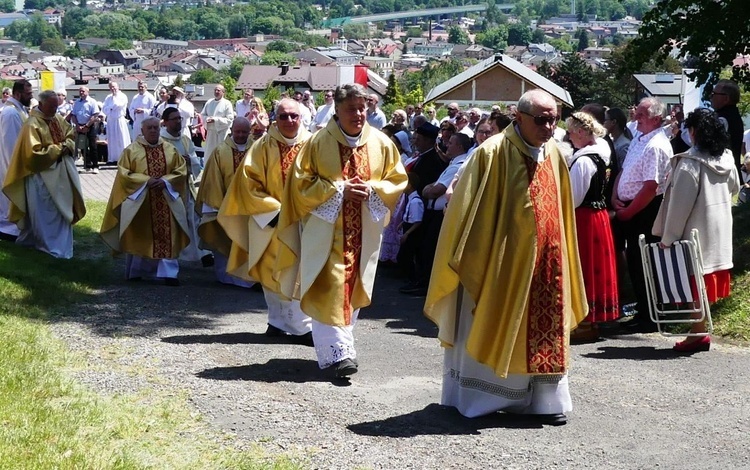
pixel 537 153
pixel 351 140
pixel 240 147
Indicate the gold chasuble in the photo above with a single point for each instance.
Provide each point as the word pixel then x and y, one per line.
pixel 218 173
pixel 509 241
pixel 330 267
pixel 150 223
pixel 257 189
pixel 38 148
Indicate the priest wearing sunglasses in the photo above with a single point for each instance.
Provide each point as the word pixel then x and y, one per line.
pixel 506 286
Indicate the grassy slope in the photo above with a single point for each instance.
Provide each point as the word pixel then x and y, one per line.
pixel 732 315
pixel 48 420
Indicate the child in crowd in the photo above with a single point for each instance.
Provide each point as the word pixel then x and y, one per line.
pixel 412 221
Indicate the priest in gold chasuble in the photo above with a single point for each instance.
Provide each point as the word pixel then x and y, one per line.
pixel 249 214
pixel 218 174
pixel 343 184
pixel 42 183
pixel 506 286
pixel 145 216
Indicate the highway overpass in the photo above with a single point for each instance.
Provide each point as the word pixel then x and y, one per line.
pixel 397 15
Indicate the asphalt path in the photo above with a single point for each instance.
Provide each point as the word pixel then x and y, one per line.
pixel 637 405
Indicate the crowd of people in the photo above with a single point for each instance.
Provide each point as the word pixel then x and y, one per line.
pixel 517 231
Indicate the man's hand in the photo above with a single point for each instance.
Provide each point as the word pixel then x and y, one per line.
pixel 210 120
pixel 156 183
pixel 356 190
pixel 617 204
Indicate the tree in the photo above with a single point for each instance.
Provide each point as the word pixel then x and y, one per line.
pixel 710 32
pixel 280 46
pixel 414 32
pixel 457 35
pixel 519 34
pixel 53 46
pixel 199 77
pixel 583 40
pixel 7 6
pixel 120 44
pixel 576 76
pixel 495 38
pixel 538 37
pixel 393 96
pixel 276 58
pixel 270 94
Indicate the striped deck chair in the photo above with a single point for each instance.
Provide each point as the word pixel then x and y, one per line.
pixel 669 272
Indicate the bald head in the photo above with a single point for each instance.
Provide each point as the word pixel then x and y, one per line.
pixel 240 130
pixel 536 117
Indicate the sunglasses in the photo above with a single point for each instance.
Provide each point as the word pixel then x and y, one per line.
pixel 543 120
pixel 290 116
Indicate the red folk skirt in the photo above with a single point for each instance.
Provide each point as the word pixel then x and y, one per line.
pixel 717 285
pixel 598 263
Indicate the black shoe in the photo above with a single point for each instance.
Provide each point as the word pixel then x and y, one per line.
pixel 207 261
pixel 344 368
pixel 304 340
pixel 273 332
pixel 172 281
pixel 8 237
pixel 639 325
pixel 557 419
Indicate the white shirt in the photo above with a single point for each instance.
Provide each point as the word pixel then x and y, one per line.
pixel 647 160
pixel 446 178
pixel 414 211
pixel 243 108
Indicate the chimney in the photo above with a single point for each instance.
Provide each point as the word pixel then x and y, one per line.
pixel 312 63
pixel 284 68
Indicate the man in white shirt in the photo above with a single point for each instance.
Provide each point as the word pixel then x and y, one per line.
pixel 638 193
pixel 118 135
pixel 243 106
pixel 375 116
pixel 324 113
pixel 453 110
pixel 140 108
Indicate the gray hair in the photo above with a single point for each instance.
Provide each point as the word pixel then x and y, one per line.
pixel 656 108
pixel 61 91
pixel 290 101
pixel 150 119
pixel 47 95
pixel 6 90
pixel 532 98
pixel 350 90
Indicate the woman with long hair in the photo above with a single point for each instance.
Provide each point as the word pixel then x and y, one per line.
pixel 700 188
pixel 589 173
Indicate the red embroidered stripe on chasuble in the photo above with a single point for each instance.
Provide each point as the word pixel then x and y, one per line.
pixel 354 162
pixel 287 153
pixel 237 157
pixel 161 222
pixel 56 131
pixel 545 348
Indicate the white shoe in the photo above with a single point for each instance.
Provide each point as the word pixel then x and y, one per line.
pixel 95 171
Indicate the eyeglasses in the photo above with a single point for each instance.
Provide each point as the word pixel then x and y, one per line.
pixel 543 120
pixel 452 109
pixel 370 100
pixel 290 116
pixel 718 93
pixel 484 132
pixel 176 118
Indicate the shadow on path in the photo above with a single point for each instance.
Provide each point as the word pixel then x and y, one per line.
pixel 440 420
pixel 275 370
pixel 638 353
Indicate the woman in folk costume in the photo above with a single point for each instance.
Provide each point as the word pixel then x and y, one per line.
pixel 344 182
pixel 118 135
pixel 700 188
pixel 589 173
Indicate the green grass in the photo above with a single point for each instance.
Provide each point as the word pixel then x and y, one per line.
pixel 48 420
pixel 731 316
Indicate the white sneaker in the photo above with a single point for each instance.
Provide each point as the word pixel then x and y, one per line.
pixel 95 171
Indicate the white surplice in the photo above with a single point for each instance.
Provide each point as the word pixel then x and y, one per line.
pixel 118 134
